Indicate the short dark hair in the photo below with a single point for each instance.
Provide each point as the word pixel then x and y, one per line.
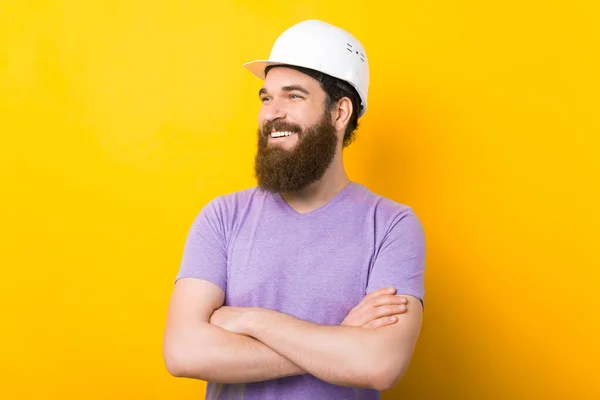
pixel 335 89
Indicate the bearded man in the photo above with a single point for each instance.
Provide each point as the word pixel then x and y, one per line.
pixel 309 285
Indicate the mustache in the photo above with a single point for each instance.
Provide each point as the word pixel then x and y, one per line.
pixel 280 126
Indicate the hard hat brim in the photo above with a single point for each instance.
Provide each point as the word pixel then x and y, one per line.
pixel 258 67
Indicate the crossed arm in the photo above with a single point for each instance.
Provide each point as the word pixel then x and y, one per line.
pixel 256 344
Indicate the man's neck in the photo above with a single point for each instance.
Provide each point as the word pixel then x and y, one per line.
pixel 320 192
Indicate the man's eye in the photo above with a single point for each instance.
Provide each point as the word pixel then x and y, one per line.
pixel 295 96
pixel 266 98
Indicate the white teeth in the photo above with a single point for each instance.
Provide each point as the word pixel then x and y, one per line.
pixel 281 134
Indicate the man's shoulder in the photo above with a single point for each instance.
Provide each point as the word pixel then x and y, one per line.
pixel 380 203
pixel 238 195
pixel 232 202
pixel 392 216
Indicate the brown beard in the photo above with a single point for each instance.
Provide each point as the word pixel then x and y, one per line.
pixel 279 170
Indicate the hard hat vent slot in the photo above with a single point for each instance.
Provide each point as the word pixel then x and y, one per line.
pixel 349 48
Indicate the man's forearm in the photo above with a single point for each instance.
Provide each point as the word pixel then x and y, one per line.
pixel 341 355
pixel 217 355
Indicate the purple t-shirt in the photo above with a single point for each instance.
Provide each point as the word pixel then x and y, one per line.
pixel 262 253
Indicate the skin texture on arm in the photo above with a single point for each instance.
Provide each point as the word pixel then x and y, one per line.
pixel 342 355
pixel 194 348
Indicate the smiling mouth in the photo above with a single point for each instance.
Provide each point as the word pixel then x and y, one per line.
pixel 281 134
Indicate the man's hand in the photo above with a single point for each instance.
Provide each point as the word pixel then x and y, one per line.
pixel 377 309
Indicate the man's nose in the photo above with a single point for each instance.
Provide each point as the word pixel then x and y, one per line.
pixel 274 111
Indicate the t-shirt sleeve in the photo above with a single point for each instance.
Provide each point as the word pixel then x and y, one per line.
pixel 204 254
pixel 400 262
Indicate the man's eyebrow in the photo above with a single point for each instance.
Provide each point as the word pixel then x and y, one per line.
pixel 290 88
pixel 293 88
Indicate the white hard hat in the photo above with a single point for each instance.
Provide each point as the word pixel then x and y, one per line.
pixel 322 47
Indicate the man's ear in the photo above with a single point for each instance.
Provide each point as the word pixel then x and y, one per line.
pixel 343 112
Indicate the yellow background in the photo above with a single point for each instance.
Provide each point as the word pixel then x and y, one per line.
pixel 121 119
